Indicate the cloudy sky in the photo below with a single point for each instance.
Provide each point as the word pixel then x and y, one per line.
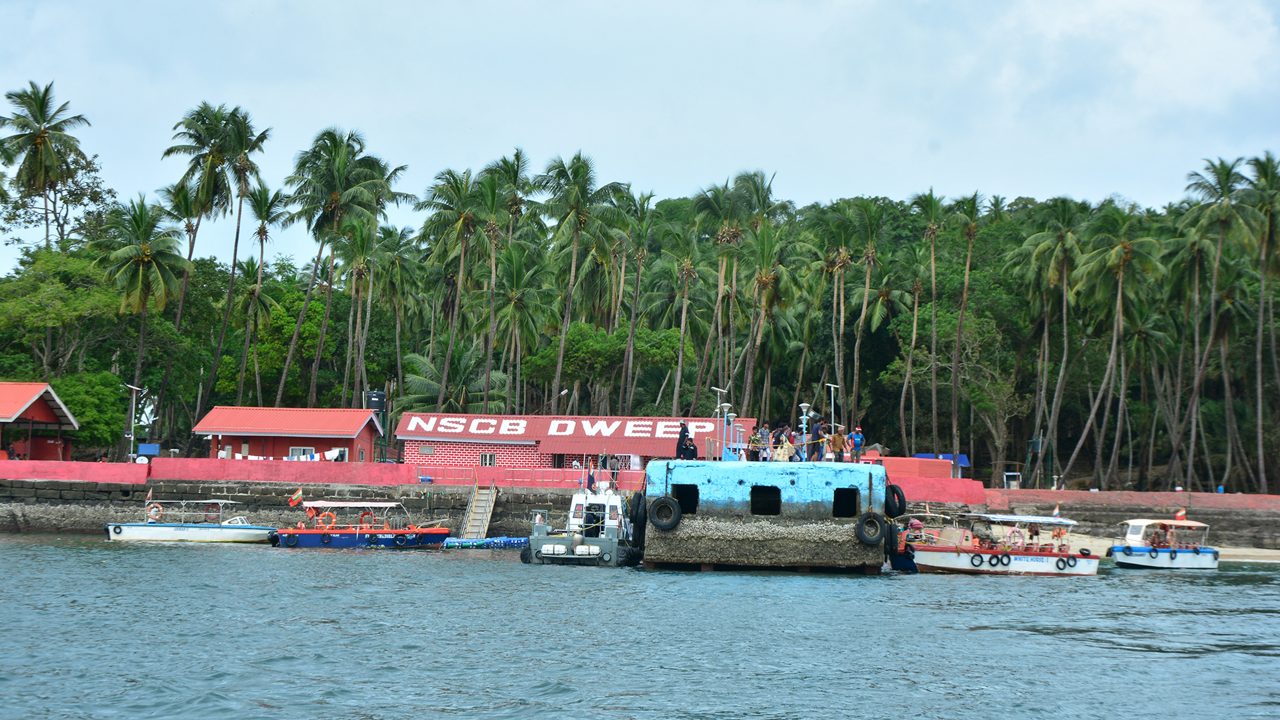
pixel 1090 98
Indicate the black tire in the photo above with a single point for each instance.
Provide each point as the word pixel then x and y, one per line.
pixel 1006 560
pixel 606 558
pixel 891 538
pixel 325 538
pixel 976 560
pixel 1110 552
pixel 1173 554
pixel 1127 550
pixel 664 513
pixel 1062 564
pixel 1086 552
pixel 635 509
pixel 117 529
pixel 993 560
pixel 291 540
pixel 526 554
pixel 1071 561
pixel 400 540
pixel 1154 553
pixel 1215 555
pixel 871 529
pixel 895 501
pixel 274 538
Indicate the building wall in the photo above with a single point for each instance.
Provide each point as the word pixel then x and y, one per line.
pixel 278 447
pixel 467 454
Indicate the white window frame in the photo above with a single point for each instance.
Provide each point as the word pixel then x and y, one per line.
pixel 300 451
pixel 488 459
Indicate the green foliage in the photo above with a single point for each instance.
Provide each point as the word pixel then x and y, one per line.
pixel 99 403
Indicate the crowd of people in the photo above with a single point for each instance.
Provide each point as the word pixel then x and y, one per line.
pixel 821 441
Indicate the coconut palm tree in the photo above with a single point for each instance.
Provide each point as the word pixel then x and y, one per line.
pixel 140 256
pixel 965 214
pixel 1264 195
pixel 721 211
pixel 45 145
pixel 869 225
pixel 269 208
pixel 931 209
pixel 398 253
pixel 913 260
pixel 577 204
pixel 525 295
pixel 425 379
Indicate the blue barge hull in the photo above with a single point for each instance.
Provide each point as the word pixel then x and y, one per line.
pixel 394 539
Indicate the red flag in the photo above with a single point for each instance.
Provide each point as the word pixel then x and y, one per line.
pixel 1181 514
pixel 295 498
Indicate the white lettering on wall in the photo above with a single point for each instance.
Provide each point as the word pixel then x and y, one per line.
pixel 513 427
pixel 452 425
pixel 561 427
pixel 600 427
pixel 639 428
pixel 667 429
pixel 476 428
pixel 700 426
pixel 417 423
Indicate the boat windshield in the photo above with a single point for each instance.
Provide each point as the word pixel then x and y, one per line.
pixel 188 511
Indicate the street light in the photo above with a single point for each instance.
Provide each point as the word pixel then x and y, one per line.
pixel 722 410
pixel 728 430
pixel 804 429
pixel 833 401
pixel 133 410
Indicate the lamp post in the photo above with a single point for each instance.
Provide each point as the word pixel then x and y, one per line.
pixel 833 401
pixel 133 413
pixel 723 412
pixel 740 435
pixel 804 429
pixel 728 430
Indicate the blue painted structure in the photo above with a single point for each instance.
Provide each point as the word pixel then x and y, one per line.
pixel 807 489
pixel 353 538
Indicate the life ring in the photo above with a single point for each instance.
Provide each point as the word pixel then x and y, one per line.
pixel 117 529
pixel 1062 564
pixel 895 501
pixel 325 538
pixel 1085 552
pixel 155 511
pixel 291 540
pixel 1154 553
pixel 366 514
pixel 1127 550
pixel 400 540
pixel 993 560
pixel 870 529
pixel 975 560
pixel 320 519
pixel 606 558
pixel 1006 559
pixel 1071 561
pixel 665 513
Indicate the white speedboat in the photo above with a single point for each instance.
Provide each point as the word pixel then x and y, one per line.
pixel 189 521
pixel 1164 545
pixel 988 544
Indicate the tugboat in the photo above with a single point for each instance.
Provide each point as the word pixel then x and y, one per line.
pixel 600 531
pixel 797 515
pixel 1165 545
pixel 378 524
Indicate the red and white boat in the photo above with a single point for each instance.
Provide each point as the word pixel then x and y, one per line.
pixel 990 544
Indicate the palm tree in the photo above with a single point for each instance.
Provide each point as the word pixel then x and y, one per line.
pixel 453 202
pixel 965 213
pixel 913 262
pixel 680 257
pixel 268 208
pixel 1264 196
pixel 398 253
pixel 577 204
pixel 524 298
pixel 719 207
pixel 930 208
pixel 43 139
pixel 333 179
pixel 140 256
pixel 425 379
pixel 637 219
pixel 869 224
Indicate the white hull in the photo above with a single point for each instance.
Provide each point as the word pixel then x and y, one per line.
pixel 1141 557
pixel 980 563
pixel 187 532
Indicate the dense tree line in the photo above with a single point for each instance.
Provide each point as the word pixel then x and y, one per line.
pixel 1126 346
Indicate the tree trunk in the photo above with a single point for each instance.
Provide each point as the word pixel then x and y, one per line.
pixel 909 448
pixel 324 328
pixel 226 313
pixel 1263 247
pixel 453 319
pixel 297 327
pixel 955 361
pixel 364 337
pixel 1106 376
pixel 491 336
pixel 629 370
pixel 564 322
pixel 1058 388
pixel 852 416
pixel 352 330
pixel 933 337
pixel 704 369
pixel 244 351
pixel 399 308
pixel 684 318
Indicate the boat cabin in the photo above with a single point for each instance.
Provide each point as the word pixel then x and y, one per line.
pixel 194 511
pixel 1036 533
pixel 385 515
pixel 592 513
pixel 1177 534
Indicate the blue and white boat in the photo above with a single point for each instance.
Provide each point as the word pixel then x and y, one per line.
pixel 189 521
pixel 1164 545
pixel 375 524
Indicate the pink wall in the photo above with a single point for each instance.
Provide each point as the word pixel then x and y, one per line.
pixel 279 446
pixel 87 471
pixel 294 473
pixel 464 454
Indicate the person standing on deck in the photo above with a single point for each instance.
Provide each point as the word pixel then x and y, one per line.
pixel 858 441
pixel 684 435
pixel 836 441
pixel 766 442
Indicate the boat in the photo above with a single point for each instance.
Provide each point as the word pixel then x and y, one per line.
pixel 1164 544
pixel 994 544
pixel 823 516
pixel 375 524
pixel 189 521
pixel 599 531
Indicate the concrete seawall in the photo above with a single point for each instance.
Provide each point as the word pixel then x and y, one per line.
pixel 75 506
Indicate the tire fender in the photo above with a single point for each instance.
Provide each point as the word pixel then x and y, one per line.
pixel 664 513
pixel 895 501
pixel 870 529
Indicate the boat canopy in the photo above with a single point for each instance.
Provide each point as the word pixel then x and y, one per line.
pixel 196 502
pixel 343 504
pixel 1188 524
pixel 1038 519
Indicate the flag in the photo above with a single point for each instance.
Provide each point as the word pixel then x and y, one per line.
pixel 1181 514
pixel 148 500
pixel 295 498
pixel 1057 510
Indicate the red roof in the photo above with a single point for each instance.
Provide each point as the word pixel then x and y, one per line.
pixel 37 403
pixel 286 422
pixel 563 434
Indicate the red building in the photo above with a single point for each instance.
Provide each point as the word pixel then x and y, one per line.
pixel 547 441
pixel 261 433
pixel 27 407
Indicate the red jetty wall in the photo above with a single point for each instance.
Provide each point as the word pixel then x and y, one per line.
pixel 84 471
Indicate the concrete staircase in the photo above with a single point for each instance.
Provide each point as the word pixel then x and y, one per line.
pixel 475 524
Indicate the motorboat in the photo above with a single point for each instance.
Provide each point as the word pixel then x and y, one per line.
pixel 338 524
pixel 995 544
pixel 1164 545
pixel 600 530
pixel 189 521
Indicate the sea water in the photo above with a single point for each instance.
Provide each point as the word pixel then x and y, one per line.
pixel 91 629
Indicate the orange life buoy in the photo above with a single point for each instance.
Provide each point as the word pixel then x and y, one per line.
pixel 320 519
pixel 155 511
pixel 367 517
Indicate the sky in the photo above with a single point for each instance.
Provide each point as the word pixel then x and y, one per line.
pixel 1089 99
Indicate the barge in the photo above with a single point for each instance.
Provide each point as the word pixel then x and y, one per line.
pixel 799 515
